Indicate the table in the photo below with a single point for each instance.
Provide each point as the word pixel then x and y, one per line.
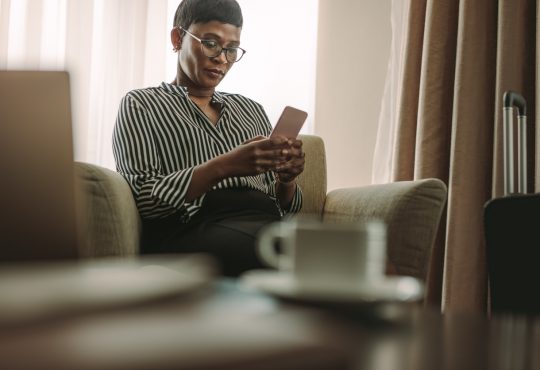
pixel 223 326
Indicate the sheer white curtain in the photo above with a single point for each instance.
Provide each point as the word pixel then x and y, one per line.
pixel 112 46
pixel 386 134
pixel 108 46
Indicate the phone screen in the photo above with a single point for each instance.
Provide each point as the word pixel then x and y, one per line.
pixel 290 123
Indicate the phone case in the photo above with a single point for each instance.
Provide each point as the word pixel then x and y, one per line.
pixel 290 123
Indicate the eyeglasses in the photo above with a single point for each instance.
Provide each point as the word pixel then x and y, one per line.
pixel 212 49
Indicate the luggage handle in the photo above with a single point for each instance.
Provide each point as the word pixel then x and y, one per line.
pixel 511 99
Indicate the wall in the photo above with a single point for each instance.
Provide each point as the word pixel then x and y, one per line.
pixel 354 39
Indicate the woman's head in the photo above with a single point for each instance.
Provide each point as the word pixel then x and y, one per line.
pixel 200 28
pixel 203 11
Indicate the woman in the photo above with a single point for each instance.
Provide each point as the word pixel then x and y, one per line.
pixel 203 171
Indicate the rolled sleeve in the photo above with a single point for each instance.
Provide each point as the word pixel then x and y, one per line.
pixel 137 160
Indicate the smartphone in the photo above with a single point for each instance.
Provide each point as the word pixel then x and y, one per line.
pixel 290 123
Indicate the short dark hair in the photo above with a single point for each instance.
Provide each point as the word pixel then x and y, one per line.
pixel 202 11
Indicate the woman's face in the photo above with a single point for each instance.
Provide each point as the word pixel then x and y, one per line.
pixel 197 69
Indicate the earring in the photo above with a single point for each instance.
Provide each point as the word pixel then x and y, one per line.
pixel 176 48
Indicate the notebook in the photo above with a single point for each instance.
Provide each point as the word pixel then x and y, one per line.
pixel 37 197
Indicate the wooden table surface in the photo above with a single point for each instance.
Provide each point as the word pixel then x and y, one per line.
pixel 224 326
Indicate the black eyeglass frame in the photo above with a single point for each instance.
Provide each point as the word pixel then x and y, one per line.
pixel 205 48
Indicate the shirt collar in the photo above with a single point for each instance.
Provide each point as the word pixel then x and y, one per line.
pixel 182 91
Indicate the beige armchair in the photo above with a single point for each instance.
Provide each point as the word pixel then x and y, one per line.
pixel 411 209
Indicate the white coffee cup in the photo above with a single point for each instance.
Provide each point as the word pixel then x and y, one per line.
pixel 326 254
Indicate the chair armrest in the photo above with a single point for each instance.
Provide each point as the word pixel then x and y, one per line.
pixel 411 210
pixel 107 213
pixel 313 180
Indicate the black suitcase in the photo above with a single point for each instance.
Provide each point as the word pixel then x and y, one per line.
pixel 512 227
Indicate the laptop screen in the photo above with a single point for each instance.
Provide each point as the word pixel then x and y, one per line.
pixel 37 197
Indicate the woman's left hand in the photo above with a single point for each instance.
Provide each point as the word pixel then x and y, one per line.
pixel 288 171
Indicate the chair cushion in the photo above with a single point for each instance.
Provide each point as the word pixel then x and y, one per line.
pixel 108 215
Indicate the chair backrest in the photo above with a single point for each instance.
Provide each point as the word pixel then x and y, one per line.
pixel 111 222
pixel 411 210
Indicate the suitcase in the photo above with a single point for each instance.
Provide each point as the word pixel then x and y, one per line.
pixel 512 226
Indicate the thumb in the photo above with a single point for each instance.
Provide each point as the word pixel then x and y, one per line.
pixel 256 138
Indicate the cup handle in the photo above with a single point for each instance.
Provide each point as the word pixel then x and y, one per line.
pixel 265 243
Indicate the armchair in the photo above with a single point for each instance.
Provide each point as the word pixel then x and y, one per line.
pixel 411 210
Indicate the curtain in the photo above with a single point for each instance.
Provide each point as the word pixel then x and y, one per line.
pixel 108 46
pixel 456 58
pixel 386 132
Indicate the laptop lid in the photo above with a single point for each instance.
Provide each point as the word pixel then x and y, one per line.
pixel 37 197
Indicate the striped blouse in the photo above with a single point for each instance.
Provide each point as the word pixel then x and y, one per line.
pixel 160 136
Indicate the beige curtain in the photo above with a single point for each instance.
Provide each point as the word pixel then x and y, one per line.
pixel 459 57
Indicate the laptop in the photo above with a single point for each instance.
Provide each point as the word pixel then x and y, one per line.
pixel 37 192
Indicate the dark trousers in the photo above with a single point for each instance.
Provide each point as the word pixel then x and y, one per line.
pixel 226 227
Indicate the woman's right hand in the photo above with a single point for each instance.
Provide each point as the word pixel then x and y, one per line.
pixel 255 156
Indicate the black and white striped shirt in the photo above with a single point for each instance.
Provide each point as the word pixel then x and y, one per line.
pixel 160 136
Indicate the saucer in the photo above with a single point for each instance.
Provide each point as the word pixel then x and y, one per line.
pixel 42 291
pixel 390 289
